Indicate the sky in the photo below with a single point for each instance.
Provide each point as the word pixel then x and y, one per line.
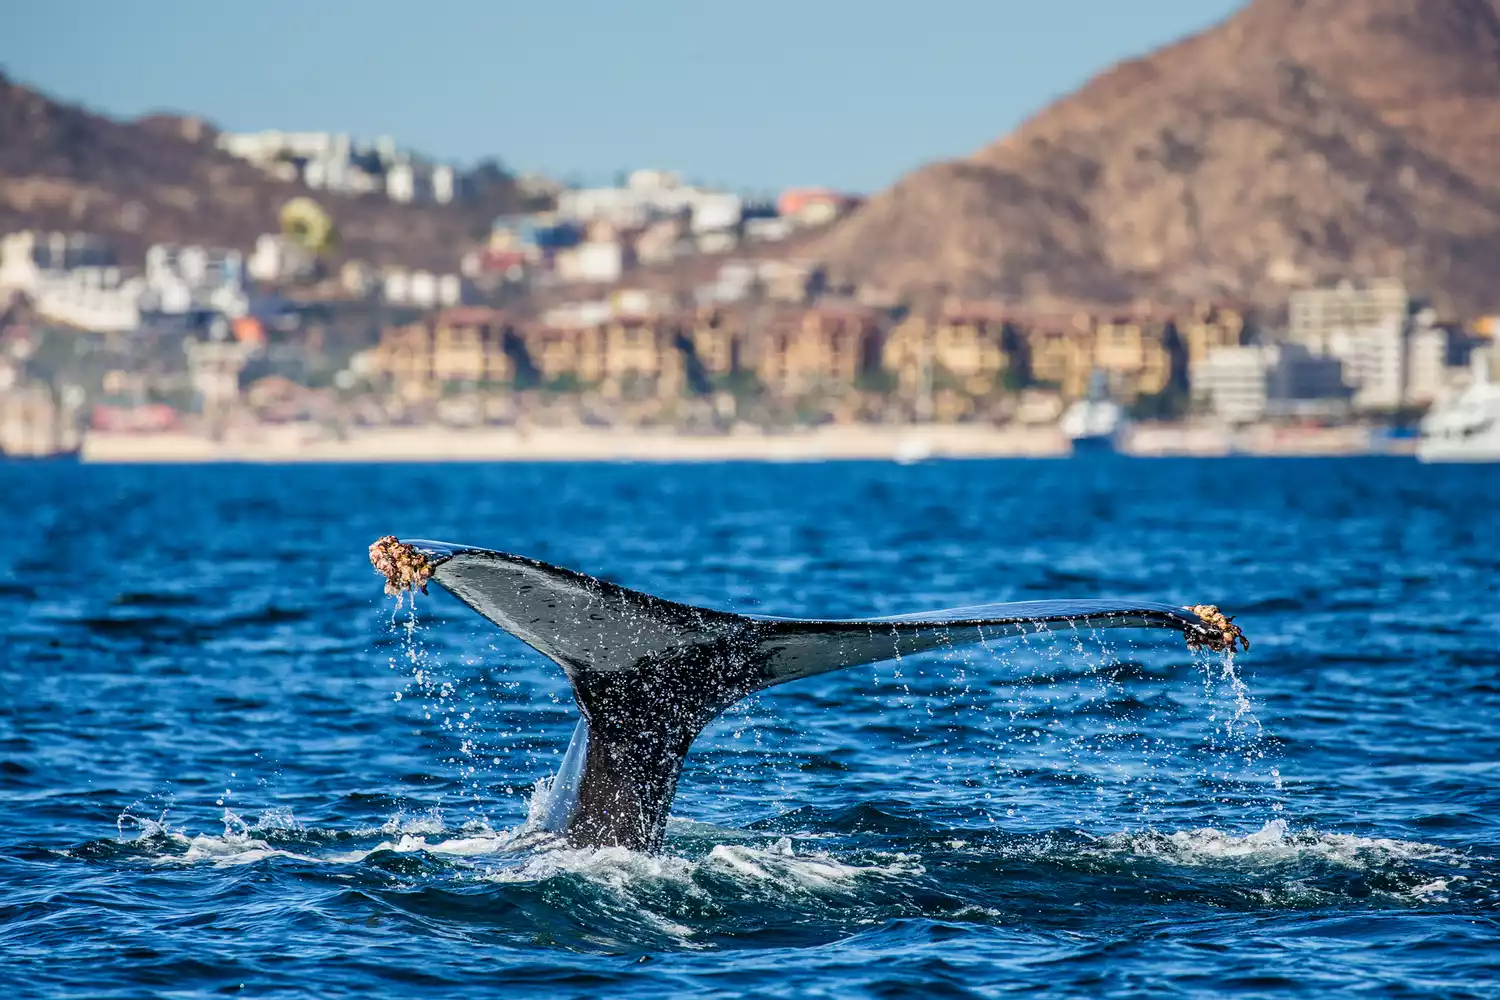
pixel 751 96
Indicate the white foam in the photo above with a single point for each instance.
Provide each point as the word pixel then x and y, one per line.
pixel 429 822
pixel 237 845
pixel 780 864
pixel 1275 841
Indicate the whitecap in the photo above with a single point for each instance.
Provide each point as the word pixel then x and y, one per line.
pixel 1274 842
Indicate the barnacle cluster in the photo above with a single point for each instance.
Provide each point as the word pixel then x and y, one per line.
pixel 403 566
pixel 1218 631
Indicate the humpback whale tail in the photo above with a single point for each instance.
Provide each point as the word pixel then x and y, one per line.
pixel 648 674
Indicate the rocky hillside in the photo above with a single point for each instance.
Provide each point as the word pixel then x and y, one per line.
pixel 162 179
pixel 1297 142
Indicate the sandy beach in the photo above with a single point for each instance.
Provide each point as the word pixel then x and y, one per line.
pixel 314 443
pixel 310 443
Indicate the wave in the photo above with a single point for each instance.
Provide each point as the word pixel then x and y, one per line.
pixel 767 852
pixel 1276 842
pixel 839 875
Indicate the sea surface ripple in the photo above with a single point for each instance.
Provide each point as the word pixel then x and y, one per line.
pixel 229 765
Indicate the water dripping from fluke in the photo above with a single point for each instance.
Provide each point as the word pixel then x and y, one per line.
pixel 648 674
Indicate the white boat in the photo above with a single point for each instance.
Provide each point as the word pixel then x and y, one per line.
pixel 910 450
pixel 1465 427
pixel 1094 423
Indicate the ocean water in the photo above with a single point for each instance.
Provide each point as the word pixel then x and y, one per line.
pixel 230 765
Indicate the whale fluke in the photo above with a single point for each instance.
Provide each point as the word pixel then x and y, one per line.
pixel 649 674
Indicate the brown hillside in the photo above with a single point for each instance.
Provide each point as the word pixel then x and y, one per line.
pixel 161 179
pixel 1297 142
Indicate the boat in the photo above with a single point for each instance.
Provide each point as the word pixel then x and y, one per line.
pixel 1465 427
pixel 1094 423
pixel 910 450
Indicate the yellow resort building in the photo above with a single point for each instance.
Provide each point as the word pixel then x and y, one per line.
pixel 454 347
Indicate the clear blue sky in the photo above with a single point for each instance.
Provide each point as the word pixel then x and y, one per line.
pixel 850 93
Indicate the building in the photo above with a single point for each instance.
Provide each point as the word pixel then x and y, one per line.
pixel 649 196
pixel 1205 327
pixel 596 261
pixel 562 351
pixel 1059 351
pixel 791 281
pixel 1428 374
pixel 1134 355
pixel 278 259
pixel 715 337
pixel 1242 384
pixel 809 207
pixel 27 256
pixel 821 349
pixel 424 289
pixel 343 164
pixel 462 346
pixel 535 236
pixel 67 283
pixel 658 242
pixel 959 355
pixel 642 358
pixel 624 356
pixel 1394 354
pixel 188 278
pixel 103 299
pixel 1232 381
pixel 1316 316
pixel 716 212
pixel 1300 383
pixel 414 181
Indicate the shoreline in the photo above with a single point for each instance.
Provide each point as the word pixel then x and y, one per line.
pixel 293 443
pixel 296 443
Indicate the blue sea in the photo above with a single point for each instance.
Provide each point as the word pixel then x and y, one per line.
pixel 229 765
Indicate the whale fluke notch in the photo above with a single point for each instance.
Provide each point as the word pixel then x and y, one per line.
pixel 649 674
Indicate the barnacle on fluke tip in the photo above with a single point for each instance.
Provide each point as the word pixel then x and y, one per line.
pixel 403 566
pixel 1218 633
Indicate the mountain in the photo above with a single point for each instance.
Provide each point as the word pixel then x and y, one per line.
pixel 1297 142
pixel 162 179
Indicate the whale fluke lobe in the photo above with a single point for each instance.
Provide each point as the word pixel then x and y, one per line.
pixel 649 674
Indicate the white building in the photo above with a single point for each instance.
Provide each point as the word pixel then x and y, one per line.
pixel 277 259
pixel 409 181
pixel 27 255
pixel 1374 358
pixel 1391 357
pixel 648 196
pixel 271 145
pixel 343 169
pixel 1243 384
pixel 1427 374
pixel 1316 314
pixel 90 298
pixel 714 211
pixel 337 162
pixel 594 261
pixel 1232 380
pixel 184 278
pixel 425 290
pixel 71 279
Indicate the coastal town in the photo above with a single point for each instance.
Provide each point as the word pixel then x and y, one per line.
pixel 653 317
